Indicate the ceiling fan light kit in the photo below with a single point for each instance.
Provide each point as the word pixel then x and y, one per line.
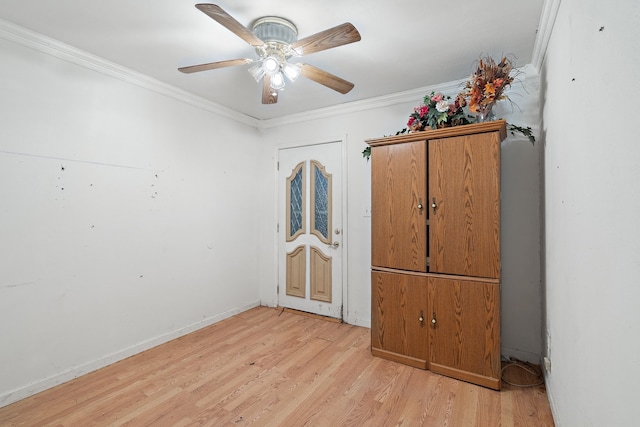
pixel 275 40
pixel 292 71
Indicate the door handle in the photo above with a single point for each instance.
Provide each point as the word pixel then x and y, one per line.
pixel 336 244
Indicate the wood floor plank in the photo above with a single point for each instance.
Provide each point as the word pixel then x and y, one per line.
pixel 265 367
pixel 488 409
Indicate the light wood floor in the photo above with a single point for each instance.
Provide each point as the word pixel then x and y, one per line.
pixel 265 367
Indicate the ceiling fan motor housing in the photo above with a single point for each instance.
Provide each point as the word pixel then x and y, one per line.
pixel 275 29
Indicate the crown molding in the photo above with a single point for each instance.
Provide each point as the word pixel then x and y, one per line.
pixel 411 96
pixel 545 28
pixel 49 46
pixel 39 42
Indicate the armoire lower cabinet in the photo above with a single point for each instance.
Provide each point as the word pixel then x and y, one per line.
pixel 464 334
pixel 398 310
pixel 435 229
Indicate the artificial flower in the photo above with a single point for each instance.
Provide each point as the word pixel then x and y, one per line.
pixel 436 111
pixel 486 86
pixel 442 105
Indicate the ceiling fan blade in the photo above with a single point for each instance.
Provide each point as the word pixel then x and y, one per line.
pixel 217 14
pixel 333 37
pixel 325 78
pixel 214 65
pixel 269 95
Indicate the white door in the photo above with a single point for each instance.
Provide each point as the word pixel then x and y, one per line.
pixel 310 234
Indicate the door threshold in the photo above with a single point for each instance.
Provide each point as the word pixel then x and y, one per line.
pixel 312 315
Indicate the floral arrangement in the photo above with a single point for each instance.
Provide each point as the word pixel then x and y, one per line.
pixel 436 111
pixel 484 88
pixel 487 84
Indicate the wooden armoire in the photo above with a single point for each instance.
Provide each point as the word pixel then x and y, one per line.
pixel 435 230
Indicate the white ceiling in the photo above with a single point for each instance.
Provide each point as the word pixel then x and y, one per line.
pixel 405 44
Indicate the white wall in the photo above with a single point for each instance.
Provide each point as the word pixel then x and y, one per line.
pixel 147 231
pixel 521 297
pixel 592 204
pixel 127 218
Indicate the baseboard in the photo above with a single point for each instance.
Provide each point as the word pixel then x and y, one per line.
pixel 550 395
pixel 47 383
pixel 365 323
pixel 524 356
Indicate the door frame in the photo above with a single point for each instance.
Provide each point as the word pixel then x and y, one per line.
pixel 345 244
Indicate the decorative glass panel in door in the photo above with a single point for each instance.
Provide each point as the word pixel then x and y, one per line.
pixel 321 202
pixel 296 195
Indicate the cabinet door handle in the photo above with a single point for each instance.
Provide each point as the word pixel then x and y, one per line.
pixel 421 319
pixel 433 320
pixel 420 204
pixel 434 205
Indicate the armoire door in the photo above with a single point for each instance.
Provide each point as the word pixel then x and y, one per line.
pixel 464 325
pixel 398 206
pixel 464 205
pixel 399 318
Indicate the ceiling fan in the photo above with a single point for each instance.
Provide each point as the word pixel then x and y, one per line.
pixel 275 40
